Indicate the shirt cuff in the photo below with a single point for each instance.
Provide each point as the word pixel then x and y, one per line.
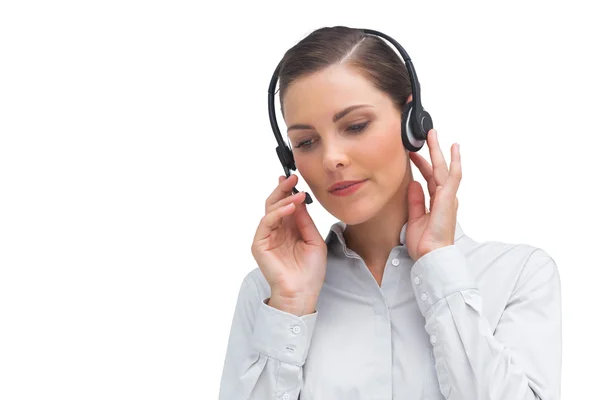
pixel 281 335
pixel 438 274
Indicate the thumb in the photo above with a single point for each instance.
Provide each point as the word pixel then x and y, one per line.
pixel 416 201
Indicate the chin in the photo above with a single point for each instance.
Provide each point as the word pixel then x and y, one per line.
pixel 356 213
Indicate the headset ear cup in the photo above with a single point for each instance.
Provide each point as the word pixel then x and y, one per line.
pixel 286 157
pixel 408 140
pixel 426 123
pixel 290 164
pixel 290 157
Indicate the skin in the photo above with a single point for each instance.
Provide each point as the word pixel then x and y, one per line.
pixel 376 213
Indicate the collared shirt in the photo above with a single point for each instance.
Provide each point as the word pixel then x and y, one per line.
pixel 469 321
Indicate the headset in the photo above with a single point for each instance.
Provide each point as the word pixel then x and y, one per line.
pixel 416 122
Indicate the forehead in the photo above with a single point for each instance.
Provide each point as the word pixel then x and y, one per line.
pixel 326 92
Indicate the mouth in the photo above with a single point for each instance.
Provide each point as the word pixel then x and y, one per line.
pixel 348 188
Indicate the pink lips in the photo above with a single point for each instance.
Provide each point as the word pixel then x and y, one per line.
pixel 348 190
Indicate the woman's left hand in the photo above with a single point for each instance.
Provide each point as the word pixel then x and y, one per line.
pixel 425 231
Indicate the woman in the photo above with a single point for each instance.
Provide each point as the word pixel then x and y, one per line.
pixel 397 302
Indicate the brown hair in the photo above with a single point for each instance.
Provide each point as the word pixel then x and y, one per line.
pixel 370 55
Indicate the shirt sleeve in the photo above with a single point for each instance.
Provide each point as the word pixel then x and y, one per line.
pixel 521 358
pixel 266 351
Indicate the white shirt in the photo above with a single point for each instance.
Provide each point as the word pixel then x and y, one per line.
pixel 469 321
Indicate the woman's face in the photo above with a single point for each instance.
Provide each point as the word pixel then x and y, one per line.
pixel 330 145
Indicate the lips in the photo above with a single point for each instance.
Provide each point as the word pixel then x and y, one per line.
pixel 344 187
pixel 347 190
pixel 343 184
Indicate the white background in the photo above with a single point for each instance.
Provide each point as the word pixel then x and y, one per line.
pixel 136 156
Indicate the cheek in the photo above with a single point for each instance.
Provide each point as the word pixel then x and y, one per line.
pixel 385 150
pixel 309 170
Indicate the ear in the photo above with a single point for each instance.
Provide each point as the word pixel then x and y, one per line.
pixel 409 99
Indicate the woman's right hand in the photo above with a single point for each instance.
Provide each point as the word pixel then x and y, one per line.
pixel 290 251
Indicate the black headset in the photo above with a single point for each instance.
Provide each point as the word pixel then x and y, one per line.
pixel 416 122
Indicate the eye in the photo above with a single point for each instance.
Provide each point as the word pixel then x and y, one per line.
pixel 357 127
pixel 304 145
pixel 354 128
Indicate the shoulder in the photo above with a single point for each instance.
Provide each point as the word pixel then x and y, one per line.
pixel 499 262
pixel 506 253
pixel 510 273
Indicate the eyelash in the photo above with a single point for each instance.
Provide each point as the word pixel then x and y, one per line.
pixel 361 127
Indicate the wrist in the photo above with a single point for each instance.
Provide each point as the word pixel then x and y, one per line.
pixel 298 306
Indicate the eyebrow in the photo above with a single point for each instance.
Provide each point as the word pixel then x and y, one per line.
pixel 335 118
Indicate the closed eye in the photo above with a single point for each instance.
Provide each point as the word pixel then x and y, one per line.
pixel 355 128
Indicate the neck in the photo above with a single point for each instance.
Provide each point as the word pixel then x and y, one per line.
pixel 375 238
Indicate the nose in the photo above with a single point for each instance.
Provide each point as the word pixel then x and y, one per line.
pixel 334 156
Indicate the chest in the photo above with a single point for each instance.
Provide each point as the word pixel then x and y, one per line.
pixel 369 348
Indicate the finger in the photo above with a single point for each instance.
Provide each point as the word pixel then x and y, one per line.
pixel 426 171
pixel 416 201
pixel 432 200
pixel 272 220
pixel 455 174
pixel 294 198
pixel 283 189
pixel 440 168
pixel 306 225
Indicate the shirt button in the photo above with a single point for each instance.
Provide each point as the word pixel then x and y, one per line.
pixel 432 339
pixel 395 262
pixel 296 330
pixel 416 280
pixel 424 296
pixel 285 396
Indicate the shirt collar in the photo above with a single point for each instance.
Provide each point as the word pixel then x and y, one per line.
pixel 335 235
